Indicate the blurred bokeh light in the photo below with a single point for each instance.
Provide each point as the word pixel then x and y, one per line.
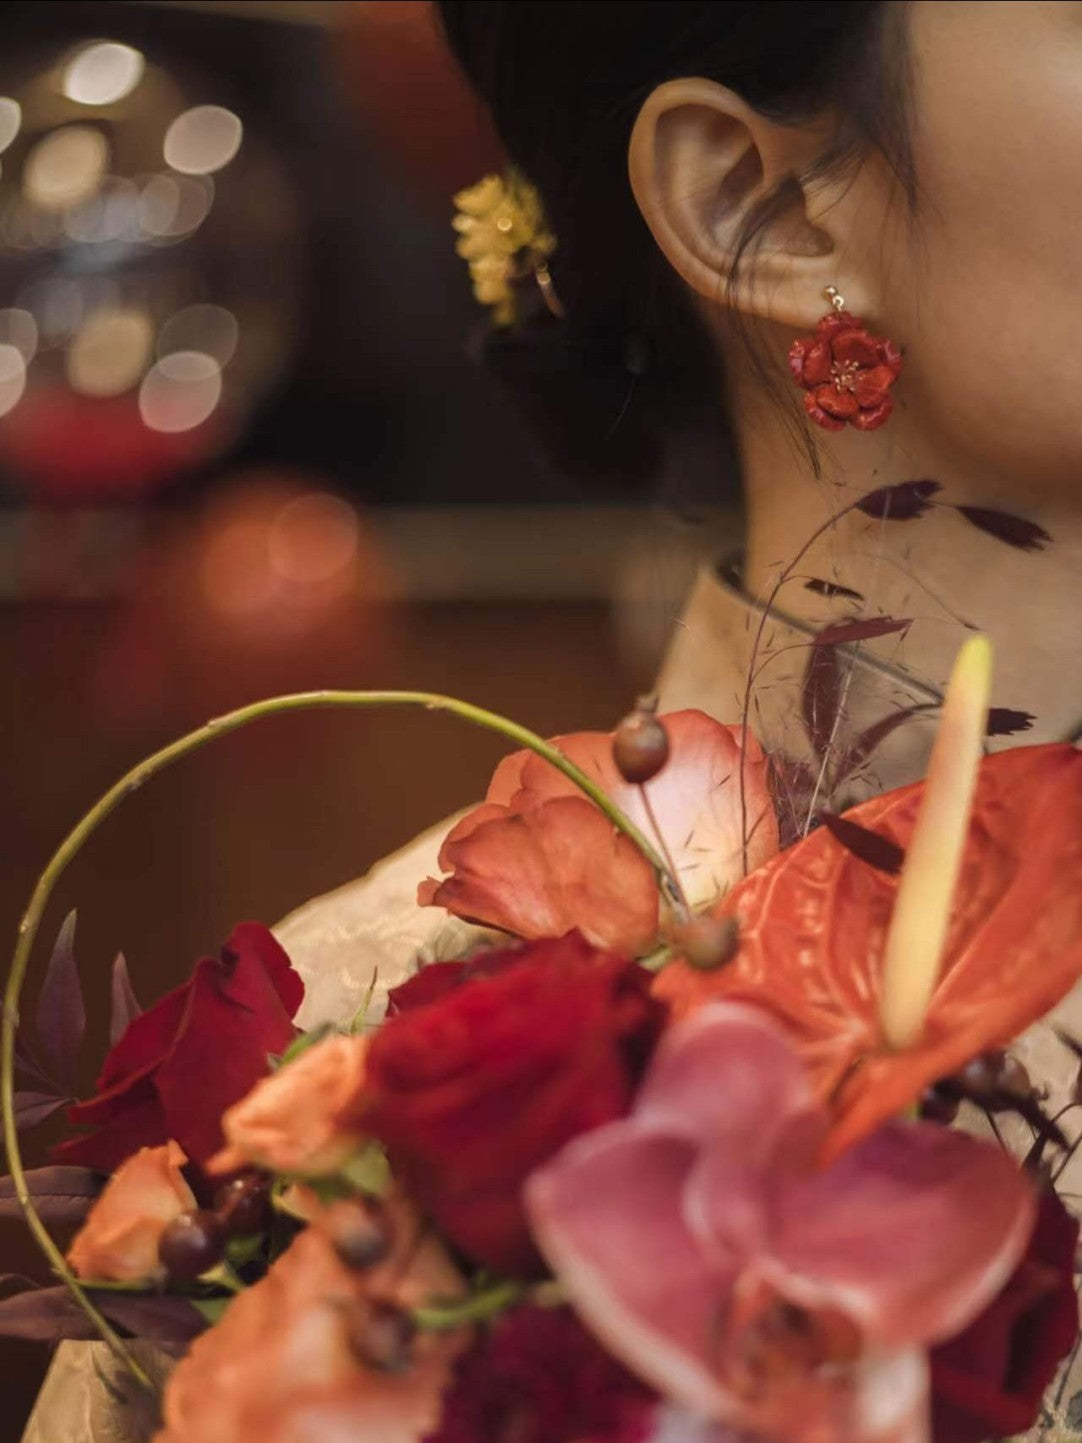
pixel 132 200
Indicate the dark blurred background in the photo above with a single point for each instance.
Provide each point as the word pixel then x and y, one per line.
pixel 244 449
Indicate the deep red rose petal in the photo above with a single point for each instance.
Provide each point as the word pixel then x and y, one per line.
pixel 842 404
pixel 254 940
pixel 474 1089
pixel 146 1039
pixel 855 347
pixel 104 1106
pixel 140 1125
pixel 235 1021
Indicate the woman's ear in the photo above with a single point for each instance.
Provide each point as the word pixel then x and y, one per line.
pixel 701 162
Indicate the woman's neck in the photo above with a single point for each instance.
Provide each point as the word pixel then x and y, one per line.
pixel 940 570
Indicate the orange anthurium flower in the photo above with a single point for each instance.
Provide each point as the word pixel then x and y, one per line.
pixel 814 921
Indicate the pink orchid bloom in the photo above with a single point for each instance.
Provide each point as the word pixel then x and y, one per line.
pixel 701 1244
pixel 538 859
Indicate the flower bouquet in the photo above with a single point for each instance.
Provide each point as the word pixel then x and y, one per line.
pixel 668 1154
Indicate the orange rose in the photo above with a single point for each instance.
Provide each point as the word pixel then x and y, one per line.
pixel 118 1243
pixel 287 1364
pixel 294 1120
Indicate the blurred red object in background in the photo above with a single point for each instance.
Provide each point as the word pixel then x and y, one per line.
pixel 412 98
pixel 276 585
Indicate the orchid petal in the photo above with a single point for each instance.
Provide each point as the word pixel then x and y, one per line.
pixel 725 1072
pixel 910 1233
pixel 606 1216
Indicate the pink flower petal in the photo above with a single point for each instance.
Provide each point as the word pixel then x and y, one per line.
pixel 559 867
pixel 725 1072
pixel 910 1233
pixel 606 1215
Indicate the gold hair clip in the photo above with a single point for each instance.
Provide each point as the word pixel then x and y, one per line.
pixel 503 235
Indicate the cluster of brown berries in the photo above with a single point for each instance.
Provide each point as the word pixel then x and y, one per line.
pixel 195 1242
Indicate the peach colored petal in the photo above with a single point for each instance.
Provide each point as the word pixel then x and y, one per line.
pixel 118 1242
pixel 814 921
pixel 542 873
pixel 293 1120
pixel 544 884
pixel 279 1368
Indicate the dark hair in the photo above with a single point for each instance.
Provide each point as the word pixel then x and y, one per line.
pixel 632 365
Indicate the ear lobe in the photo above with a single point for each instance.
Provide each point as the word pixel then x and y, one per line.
pixel 701 164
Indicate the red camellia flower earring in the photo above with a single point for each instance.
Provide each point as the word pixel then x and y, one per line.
pixel 846 372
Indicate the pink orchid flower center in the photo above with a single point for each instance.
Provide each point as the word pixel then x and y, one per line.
pixel 775 1342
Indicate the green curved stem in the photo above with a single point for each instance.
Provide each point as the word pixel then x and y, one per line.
pixel 232 721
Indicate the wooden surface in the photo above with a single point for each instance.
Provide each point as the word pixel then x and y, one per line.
pixel 257 822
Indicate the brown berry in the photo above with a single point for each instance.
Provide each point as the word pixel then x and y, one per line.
pixel 191 1245
pixel 360 1233
pixel 380 1335
pixel 706 942
pixel 640 746
pixel 939 1104
pixel 243 1204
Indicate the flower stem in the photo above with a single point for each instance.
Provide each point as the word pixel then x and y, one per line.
pixel 477 1308
pixel 232 721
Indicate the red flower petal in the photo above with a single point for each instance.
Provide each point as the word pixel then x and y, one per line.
pixel 797 353
pixel 819 416
pixel 873 419
pixel 835 321
pixel 817 364
pixel 813 924
pixel 872 387
pixel 855 347
pixel 842 404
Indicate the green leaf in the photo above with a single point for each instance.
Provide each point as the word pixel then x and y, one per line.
pixel 210 1309
pixel 368 1171
pixel 244 1250
pixel 304 1042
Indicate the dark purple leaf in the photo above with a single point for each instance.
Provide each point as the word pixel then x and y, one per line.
pixel 871 847
pixel 1003 722
pixel 820 698
pixel 34 1107
pixel 903 502
pixel 61 1016
pixel 125 1009
pixel 158 1317
pixel 48 1315
pixel 868 741
pixel 866 630
pixel 45 1315
pixel 831 588
pixel 61 1194
pixel 1025 535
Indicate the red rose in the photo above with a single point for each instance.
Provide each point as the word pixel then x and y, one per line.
pixel 846 374
pixel 539 1377
pixel 988 1382
pixel 474 1089
pixel 196 1052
